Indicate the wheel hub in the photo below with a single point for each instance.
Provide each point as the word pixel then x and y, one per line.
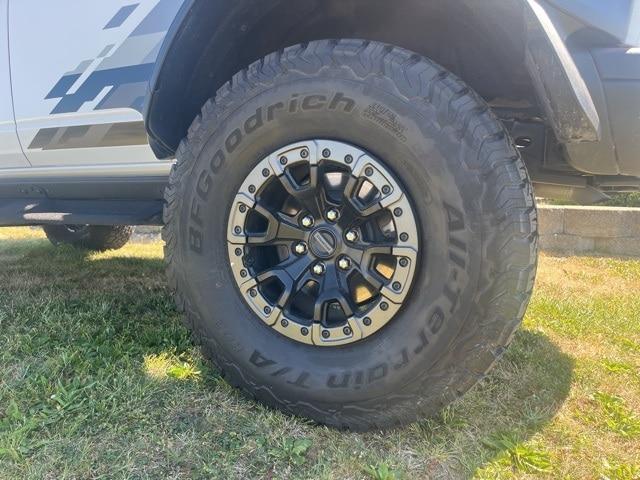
pixel 323 243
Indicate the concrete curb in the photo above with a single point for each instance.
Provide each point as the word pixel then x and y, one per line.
pixel 563 229
pixel 599 230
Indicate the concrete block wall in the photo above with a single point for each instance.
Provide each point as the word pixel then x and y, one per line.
pixel 600 230
pixel 568 230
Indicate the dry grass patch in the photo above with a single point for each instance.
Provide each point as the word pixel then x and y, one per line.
pixel 593 276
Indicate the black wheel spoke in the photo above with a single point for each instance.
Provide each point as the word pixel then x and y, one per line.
pixel 307 194
pixel 290 269
pixel 324 301
pixel 361 210
pixel 319 310
pixel 305 277
pixel 289 273
pixel 279 230
pixel 370 250
pixel 372 279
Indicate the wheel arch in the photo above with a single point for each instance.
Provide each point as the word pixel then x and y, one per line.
pixel 482 42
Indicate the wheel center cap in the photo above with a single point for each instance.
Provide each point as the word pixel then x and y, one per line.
pixel 323 243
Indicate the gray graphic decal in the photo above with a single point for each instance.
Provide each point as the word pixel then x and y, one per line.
pixel 120 17
pixel 90 136
pixel 126 71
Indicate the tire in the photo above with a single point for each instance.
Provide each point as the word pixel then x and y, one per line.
pixel 90 237
pixel 471 194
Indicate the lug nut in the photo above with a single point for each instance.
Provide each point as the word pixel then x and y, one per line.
pixel 307 221
pixel 344 263
pixel 351 236
pixel 332 215
pixel 319 269
pixel 300 248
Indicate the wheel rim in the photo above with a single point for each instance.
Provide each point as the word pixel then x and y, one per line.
pixel 323 243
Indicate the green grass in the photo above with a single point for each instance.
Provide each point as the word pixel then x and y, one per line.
pixel 624 200
pixel 98 379
pixel 616 200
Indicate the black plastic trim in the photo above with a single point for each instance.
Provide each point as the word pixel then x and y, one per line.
pixel 619 70
pixel 44 211
pixel 161 150
pixel 561 90
pixel 87 188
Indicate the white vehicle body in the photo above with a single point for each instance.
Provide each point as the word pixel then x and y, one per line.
pixel 78 95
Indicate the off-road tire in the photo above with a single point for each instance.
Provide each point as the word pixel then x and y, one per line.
pixel 90 237
pixel 473 201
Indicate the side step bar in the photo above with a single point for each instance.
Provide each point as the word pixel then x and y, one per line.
pixel 44 211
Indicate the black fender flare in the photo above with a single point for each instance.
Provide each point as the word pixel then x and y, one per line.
pixel 178 26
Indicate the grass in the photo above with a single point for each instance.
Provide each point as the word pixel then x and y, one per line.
pixel 98 379
pixel 624 200
pixel 616 200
